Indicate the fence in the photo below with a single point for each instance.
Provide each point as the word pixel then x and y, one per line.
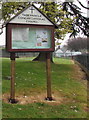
pixel 22 54
pixel 32 54
pixel 83 59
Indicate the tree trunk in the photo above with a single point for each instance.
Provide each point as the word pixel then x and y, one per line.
pixel 42 57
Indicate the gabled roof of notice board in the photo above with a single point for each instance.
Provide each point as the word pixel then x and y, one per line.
pixel 31 15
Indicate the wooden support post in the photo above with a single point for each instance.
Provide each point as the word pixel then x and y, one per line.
pixel 12 92
pixel 48 69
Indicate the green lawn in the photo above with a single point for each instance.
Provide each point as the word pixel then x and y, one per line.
pixel 68 89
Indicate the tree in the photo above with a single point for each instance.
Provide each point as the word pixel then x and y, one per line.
pixel 62 18
pixel 71 10
pixel 51 9
pixel 57 15
pixel 11 8
pixel 0 11
pixel 78 44
pixel 81 23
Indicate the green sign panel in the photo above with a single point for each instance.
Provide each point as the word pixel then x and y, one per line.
pixel 30 38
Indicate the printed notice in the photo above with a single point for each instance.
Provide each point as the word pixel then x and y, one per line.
pixel 26 38
pixel 42 38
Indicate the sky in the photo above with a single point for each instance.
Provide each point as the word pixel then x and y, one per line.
pixel 84 2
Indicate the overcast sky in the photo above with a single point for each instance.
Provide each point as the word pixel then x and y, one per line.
pixel 84 2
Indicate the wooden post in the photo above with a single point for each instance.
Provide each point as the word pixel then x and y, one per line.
pixel 48 70
pixel 12 91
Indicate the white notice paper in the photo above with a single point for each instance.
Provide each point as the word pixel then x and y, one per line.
pixel 20 34
pixel 42 37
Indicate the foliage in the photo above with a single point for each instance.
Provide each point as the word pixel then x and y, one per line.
pixel 67 86
pixel 81 23
pixel 51 9
pixel 78 44
pixel 0 11
pixel 66 15
pixel 11 8
pixel 57 15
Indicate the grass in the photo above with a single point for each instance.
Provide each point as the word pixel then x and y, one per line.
pixel 67 84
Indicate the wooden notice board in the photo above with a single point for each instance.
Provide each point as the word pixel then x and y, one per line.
pixel 30 30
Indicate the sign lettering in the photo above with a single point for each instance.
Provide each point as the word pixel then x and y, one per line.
pixel 31 16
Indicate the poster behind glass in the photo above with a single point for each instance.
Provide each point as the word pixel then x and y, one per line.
pixel 31 38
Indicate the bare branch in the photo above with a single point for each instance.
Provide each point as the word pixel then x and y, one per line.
pixel 82 5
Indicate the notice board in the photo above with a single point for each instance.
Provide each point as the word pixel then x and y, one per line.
pixel 30 30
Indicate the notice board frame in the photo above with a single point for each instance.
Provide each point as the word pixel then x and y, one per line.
pixel 9 28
